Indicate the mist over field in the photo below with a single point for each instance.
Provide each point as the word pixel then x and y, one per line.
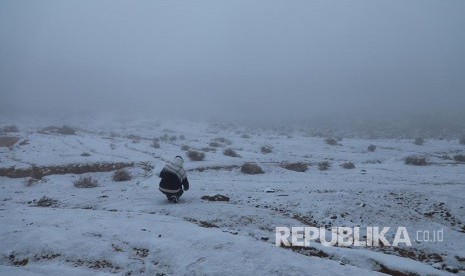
pixel 254 61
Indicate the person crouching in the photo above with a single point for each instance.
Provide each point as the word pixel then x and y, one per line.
pixel 174 179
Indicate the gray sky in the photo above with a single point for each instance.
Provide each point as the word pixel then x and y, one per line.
pixel 230 59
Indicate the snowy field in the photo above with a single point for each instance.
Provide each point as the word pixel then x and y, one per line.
pixel 129 228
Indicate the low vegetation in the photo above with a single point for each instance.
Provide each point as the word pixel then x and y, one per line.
pixel 459 158
pixel 371 148
pixel 419 141
pixel 297 167
pixel 195 155
pixel 121 175
pixel 266 149
pixel 323 165
pixel 85 182
pixel 416 160
pixel 331 141
pixel 230 152
pixel 251 168
pixel 64 130
pixel 348 165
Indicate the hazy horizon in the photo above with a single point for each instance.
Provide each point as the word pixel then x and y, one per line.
pixel 257 60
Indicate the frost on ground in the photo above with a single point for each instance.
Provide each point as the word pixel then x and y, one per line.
pixel 49 226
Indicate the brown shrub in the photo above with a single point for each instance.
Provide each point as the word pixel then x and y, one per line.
pixel 266 149
pixel 85 182
pixel 297 167
pixel 371 148
pixel 47 202
pixel 195 155
pixel 11 128
pixel 419 141
pixel 251 168
pixel 348 165
pixel 215 145
pixel 459 158
pixel 230 152
pixel 121 175
pixel 331 141
pixel 8 141
pixel 323 165
pixel 416 160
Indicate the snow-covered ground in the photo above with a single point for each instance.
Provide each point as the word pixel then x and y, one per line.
pixel 129 227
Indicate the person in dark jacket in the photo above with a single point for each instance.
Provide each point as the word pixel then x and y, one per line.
pixel 174 181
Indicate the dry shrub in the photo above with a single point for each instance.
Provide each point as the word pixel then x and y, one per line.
pixel 348 165
pixel 251 168
pixel 85 182
pixel 173 138
pixel 85 154
pixel 11 128
pixel 416 160
pixel 47 202
pixel 230 152
pixel 195 155
pixel 7 141
pixel 155 144
pixel 209 149
pixel 266 149
pixel 462 141
pixel 459 158
pixel 215 145
pixel 371 148
pixel 419 141
pixel 121 175
pixel 65 130
pixel 331 141
pixel 135 138
pixel 297 167
pixel 185 147
pixel 182 137
pixel 323 165
pixel 245 136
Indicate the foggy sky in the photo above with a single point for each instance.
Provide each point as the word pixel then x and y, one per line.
pixel 232 59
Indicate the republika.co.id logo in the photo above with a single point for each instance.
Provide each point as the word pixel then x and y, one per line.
pixel 353 236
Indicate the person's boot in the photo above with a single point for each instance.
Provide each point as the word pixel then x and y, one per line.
pixel 174 199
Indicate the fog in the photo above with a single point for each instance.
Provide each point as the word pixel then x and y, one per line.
pixel 255 60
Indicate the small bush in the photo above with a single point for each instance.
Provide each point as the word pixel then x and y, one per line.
pixel 195 155
pixel 185 147
pixel 245 136
pixel 459 158
pixel 251 168
pixel 215 144
pixel 297 167
pixel 121 175
pixel 419 141
pixel 47 202
pixel 323 165
pixel 416 161
pixel 223 141
pixel 348 165
pixel 266 149
pixel 67 130
pixel 182 137
pixel 11 128
pixel 173 138
pixel 135 138
pixel 209 149
pixel 462 141
pixel 371 148
pixel 155 144
pixel 85 154
pixel 230 152
pixel 331 141
pixel 164 137
pixel 85 182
